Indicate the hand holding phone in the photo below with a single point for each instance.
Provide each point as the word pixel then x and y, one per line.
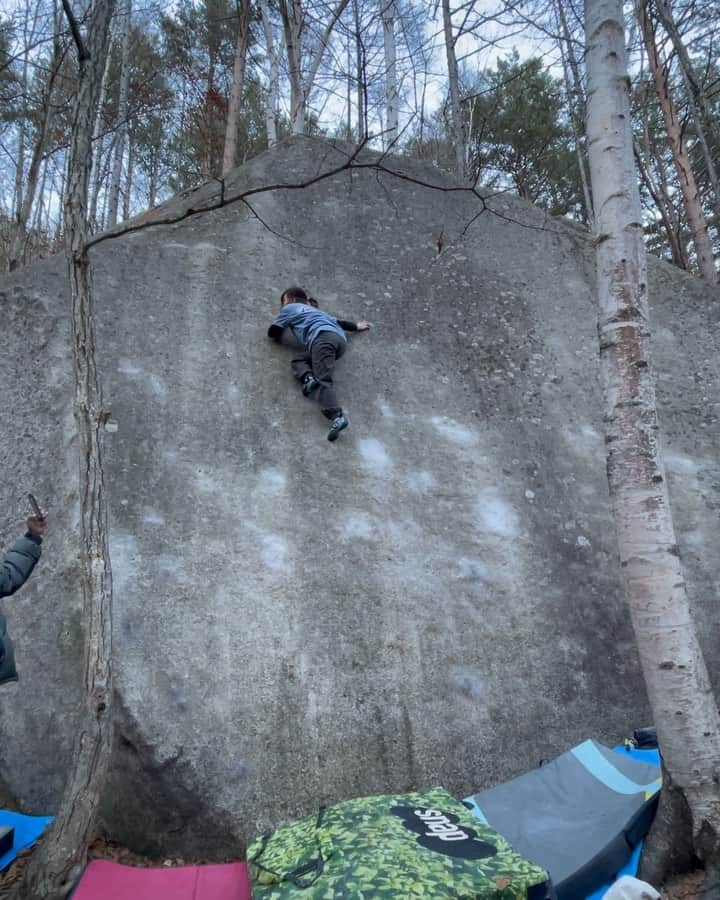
pixel 36 523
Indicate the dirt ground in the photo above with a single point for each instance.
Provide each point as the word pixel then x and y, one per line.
pixel 685 887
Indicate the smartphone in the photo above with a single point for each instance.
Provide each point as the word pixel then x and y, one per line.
pixel 36 511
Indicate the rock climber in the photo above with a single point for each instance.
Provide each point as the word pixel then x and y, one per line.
pixel 322 341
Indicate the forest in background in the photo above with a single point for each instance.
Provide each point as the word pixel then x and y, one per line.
pixel 493 91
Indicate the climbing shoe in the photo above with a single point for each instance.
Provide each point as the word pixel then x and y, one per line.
pixel 309 385
pixel 337 426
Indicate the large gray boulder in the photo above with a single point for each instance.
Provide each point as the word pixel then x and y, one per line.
pixel 434 599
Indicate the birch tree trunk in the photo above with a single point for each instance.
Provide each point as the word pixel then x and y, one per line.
pixel 683 166
pixel 273 95
pixel 293 18
pixel 97 148
pixel 454 88
pixel 127 194
pixel 291 15
pixel 122 116
pixel 59 859
pixel 233 117
pixel 20 163
pixel 387 9
pixel 675 675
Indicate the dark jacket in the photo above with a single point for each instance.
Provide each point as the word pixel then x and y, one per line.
pixel 15 570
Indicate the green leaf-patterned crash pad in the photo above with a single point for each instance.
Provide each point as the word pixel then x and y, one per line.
pixel 397 845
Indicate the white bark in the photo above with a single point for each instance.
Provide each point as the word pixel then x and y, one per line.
pixel 127 193
pixel 293 19
pixel 291 15
pixel 387 9
pixel 233 117
pixel 96 171
pixel 122 115
pixel 273 94
pixel 20 163
pixel 675 674
pixel 454 89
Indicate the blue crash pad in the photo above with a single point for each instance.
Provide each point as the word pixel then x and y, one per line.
pixel 27 830
pixel 633 864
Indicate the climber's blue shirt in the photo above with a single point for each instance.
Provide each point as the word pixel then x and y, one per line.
pixel 307 322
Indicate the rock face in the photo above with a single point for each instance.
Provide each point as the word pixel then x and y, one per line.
pixel 434 599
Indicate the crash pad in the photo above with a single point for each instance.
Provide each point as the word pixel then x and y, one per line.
pixel 579 816
pixel 105 880
pixel 415 845
pixel 633 864
pixel 27 830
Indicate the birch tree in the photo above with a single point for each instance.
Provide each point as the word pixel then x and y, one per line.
pixel 304 54
pixel 675 674
pixel 233 116
pixel 387 10
pixel 458 124
pixel 122 117
pixel 272 103
pixel 59 860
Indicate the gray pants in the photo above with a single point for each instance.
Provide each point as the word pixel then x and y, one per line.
pixel 319 361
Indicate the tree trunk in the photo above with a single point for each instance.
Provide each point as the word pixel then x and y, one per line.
pixel 20 164
pixel 273 95
pixel 361 86
pixel 97 148
pixel 683 166
pixel 152 189
pixel 293 18
pixel 387 8
pixel 348 90
pixel 676 678
pixel 667 216
pixel 122 116
pixel 454 89
pixel 127 194
pixel 233 118
pixel 700 106
pixel 292 15
pixel 17 249
pixel 576 105
pixel 40 204
pixel 660 191
pixel 59 859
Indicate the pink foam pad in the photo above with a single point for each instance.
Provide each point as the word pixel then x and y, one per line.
pixel 104 880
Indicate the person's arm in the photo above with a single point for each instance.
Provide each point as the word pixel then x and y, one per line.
pixel 282 320
pixel 362 325
pixel 20 560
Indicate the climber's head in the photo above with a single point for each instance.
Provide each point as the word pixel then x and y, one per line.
pixel 293 295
